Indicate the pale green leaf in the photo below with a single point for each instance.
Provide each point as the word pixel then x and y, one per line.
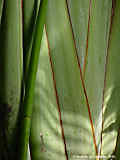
pixel 62 85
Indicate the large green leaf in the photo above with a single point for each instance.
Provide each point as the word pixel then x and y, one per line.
pixel 46 140
pixel 77 89
pixel 96 61
pixel 112 89
pixel 68 83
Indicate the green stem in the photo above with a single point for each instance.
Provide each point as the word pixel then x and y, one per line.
pixel 25 122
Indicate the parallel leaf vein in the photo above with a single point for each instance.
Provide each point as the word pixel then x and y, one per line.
pixel 82 80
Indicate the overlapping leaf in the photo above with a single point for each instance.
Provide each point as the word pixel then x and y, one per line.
pixel 77 89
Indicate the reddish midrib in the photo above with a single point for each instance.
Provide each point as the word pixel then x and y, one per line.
pixel 57 98
pixel 83 85
pixel 107 56
pixel 86 55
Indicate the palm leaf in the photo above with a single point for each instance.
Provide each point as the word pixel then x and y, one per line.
pixel 76 104
pixel 77 90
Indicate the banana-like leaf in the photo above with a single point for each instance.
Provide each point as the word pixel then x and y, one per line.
pixel 76 108
pixel 94 73
pixel 10 74
pixel 112 87
pixel 46 137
